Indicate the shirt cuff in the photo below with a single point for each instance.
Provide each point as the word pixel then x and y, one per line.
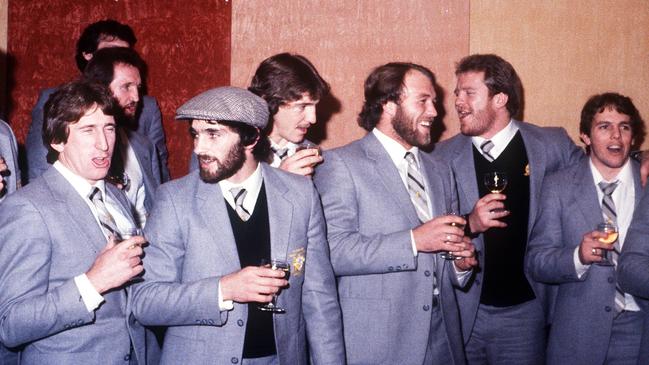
pixel 91 298
pixel 224 305
pixel 462 275
pixel 412 243
pixel 580 268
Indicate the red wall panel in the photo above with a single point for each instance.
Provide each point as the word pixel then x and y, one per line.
pixel 186 44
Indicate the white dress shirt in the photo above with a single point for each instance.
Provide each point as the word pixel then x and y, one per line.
pixel 624 198
pixel 135 192
pixel 91 298
pixel 500 140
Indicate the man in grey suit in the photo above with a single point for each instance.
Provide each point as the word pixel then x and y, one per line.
pixel 209 232
pixel 594 321
pixel 503 312
pixel 387 205
pixel 9 181
pixel 148 121
pixel 63 274
pixel 135 167
pixel 9 170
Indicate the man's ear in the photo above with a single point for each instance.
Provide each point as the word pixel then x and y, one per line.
pixel 501 99
pixel 87 55
pixel 58 147
pixel 390 108
pixel 584 138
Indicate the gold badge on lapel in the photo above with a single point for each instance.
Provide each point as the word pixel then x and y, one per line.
pixel 527 170
pixel 297 261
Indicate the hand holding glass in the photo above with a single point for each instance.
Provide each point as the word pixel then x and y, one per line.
pixel 449 255
pixel 611 233
pixel 275 264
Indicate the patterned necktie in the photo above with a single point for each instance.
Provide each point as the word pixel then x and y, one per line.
pixel 239 194
pixel 608 210
pixel 486 146
pixel 108 225
pixel 280 152
pixel 416 188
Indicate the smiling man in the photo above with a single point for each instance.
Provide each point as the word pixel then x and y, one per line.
pixel 386 204
pixel 63 275
pixel 594 321
pixel 210 232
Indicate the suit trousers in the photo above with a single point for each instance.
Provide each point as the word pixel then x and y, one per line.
pixel 438 351
pixel 508 335
pixel 624 346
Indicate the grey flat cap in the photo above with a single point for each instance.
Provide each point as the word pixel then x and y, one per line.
pixel 226 103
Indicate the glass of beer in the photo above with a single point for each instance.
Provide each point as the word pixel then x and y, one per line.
pixel 275 264
pixel 610 229
pixel 308 146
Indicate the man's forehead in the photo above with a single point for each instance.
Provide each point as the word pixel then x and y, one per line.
pixel 306 98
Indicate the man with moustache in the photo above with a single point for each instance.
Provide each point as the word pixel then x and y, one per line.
pixel 594 321
pixel 135 165
pixel 147 120
pixel 387 206
pixel 64 276
pixel 503 312
pixel 210 231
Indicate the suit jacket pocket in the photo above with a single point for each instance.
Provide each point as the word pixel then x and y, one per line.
pixel 365 327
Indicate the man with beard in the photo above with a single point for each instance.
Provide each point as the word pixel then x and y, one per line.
pixel 503 312
pixel 148 121
pixel 64 275
pixel 594 321
pixel 388 207
pixel 135 166
pixel 211 230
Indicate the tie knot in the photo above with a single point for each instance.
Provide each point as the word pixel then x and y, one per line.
pixel 410 158
pixel 95 194
pixel 280 152
pixel 239 194
pixel 608 188
pixel 486 146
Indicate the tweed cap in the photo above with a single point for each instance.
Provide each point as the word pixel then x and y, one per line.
pixel 226 103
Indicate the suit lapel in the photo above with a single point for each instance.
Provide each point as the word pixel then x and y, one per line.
pixel 280 213
pixel 463 166
pixel 211 207
pixel 144 163
pixel 73 206
pixel 435 185
pixel 585 195
pixel 389 176
pixel 637 184
pixel 536 156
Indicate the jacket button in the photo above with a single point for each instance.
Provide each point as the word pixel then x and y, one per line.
pixel 127 357
pixel 607 308
pixel 234 360
pixel 610 280
pixel 426 273
pixel 426 307
pixel 240 322
pixel 390 268
pixel 398 268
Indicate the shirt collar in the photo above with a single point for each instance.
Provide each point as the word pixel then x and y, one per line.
pixel 290 146
pixel 252 184
pixel 500 139
pixel 395 150
pixel 625 176
pixel 81 185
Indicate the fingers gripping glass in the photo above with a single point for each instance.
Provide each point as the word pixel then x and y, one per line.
pixel 275 265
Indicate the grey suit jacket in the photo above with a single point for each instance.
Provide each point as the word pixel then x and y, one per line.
pixel 149 124
pixel 192 246
pixel 9 151
pixel 385 291
pixel 49 236
pixel 548 149
pixel 583 312
pixel 149 165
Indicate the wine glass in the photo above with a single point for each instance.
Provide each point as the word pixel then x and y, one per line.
pixel 449 255
pixel 308 146
pixel 275 264
pixel 610 229
pixel 495 181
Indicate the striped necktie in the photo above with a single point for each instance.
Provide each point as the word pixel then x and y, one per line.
pixel 239 194
pixel 108 225
pixel 280 152
pixel 486 146
pixel 608 210
pixel 416 188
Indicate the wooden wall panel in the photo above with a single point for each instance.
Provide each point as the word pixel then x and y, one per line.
pixel 346 40
pixel 566 51
pixel 186 44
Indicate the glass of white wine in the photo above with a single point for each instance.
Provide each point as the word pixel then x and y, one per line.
pixel 447 255
pixel 495 182
pixel 610 229
pixel 275 264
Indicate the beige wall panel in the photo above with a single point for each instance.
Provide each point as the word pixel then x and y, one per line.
pixel 345 40
pixel 565 51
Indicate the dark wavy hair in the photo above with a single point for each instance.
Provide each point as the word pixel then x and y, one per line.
pixel 68 105
pixel 101 67
pixel 621 104
pixel 385 84
pixel 283 78
pixel 499 76
pixel 103 30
